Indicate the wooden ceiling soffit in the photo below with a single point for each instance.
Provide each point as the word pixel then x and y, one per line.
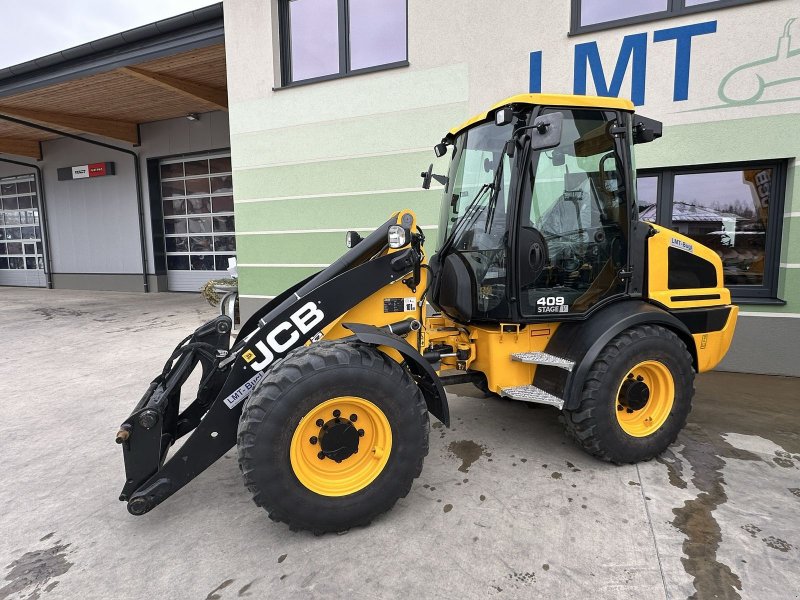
pixel 118 130
pixel 216 97
pixel 29 148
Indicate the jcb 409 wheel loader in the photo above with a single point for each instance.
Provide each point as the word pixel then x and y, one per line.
pixel 545 288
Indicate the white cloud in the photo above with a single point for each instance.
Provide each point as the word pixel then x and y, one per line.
pixel 35 28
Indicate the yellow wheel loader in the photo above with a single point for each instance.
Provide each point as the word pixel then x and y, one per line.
pixel 545 288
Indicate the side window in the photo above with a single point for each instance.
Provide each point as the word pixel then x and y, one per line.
pixel 577 216
pixel 735 210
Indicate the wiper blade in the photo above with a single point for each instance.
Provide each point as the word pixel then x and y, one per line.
pixel 467 218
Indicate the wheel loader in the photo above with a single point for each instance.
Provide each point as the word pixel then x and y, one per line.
pixel 545 288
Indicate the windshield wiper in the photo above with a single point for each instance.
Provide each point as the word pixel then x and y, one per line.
pixel 467 218
pixel 498 176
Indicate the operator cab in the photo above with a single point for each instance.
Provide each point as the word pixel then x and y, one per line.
pixel 538 209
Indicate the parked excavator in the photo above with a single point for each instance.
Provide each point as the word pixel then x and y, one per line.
pixel 545 288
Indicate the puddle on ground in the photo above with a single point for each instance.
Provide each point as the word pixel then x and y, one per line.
pixel 33 570
pixel 468 451
pixel 695 519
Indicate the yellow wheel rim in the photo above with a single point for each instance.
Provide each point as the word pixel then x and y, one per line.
pixel 333 420
pixel 641 411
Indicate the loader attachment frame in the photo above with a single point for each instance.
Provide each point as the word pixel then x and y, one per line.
pixel 229 376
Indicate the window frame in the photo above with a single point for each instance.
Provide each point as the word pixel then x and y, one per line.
pixel 675 8
pixel 767 292
pixel 285 48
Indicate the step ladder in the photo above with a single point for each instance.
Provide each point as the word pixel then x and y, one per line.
pixel 543 358
pixel 531 393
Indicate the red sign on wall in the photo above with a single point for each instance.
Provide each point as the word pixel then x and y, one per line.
pixel 85 171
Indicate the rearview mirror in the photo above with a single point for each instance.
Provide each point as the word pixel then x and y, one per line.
pixel 646 130
pixel 546 131
pixel 440 150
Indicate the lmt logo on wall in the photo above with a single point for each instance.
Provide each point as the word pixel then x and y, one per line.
pixel 84 171
pixel 632 52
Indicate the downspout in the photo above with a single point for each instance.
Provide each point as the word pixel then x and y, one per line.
pixel 42 216
pixel 137 172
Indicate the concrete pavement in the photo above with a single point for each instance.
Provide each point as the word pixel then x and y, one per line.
pixel 506 506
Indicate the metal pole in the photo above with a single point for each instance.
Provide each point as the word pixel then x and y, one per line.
pixel 136 169
pixel 42 216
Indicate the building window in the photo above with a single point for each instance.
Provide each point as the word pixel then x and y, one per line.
pixel 326 39
pixel 594 15
pixel 735 210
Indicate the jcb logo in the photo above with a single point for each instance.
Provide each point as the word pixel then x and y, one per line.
pixel 287 334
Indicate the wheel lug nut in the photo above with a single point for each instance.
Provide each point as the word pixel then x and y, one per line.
pixel 630 375
pixel 619 407
pixel 320 423
pixel 361 433
pixel 313 440
pixel 337 413
pixel 640 378
pixel 321 455
pixel 630 410
pixel 354 418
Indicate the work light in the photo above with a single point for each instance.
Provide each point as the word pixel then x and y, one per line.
pixel 397 236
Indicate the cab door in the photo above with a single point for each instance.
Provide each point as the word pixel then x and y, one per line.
pixel 573 219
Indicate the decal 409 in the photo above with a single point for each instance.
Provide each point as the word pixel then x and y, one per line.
pixel 552 304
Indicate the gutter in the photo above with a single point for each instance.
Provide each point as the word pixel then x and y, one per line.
pixel 195 29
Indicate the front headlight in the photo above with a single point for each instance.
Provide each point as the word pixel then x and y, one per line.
pixel 397 237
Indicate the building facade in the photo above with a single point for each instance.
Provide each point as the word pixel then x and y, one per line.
pixel 115 162
pixel 126 164
pixel 335 106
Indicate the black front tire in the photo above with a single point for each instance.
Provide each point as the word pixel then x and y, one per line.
pixel 306 378
pixel 594 424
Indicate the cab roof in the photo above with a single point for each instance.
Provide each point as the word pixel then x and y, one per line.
pixel 549 100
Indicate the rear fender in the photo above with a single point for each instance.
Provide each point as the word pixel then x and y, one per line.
pixel 582 342
pixel 426 378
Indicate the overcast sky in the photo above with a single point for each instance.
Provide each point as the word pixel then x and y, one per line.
pixel 34 28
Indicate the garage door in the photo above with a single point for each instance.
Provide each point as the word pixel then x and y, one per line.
pixel 21 256
pixel 199 238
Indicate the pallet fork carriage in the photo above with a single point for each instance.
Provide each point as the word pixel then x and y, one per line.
pixel 545 288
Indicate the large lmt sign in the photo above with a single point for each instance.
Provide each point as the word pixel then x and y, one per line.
pixel 632 56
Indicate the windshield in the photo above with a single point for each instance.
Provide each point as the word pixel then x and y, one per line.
pixel 477 154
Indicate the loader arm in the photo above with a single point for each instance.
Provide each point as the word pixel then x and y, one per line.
pixel 211 423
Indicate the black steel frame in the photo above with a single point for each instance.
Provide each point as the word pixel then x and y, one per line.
pixel 211 420
pixel 741 294
pixel 675 8
pixel 285 47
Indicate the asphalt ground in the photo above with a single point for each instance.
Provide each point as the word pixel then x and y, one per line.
pixel 506 505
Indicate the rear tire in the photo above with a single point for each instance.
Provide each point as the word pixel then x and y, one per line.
pixel 280 435
pixel 605 428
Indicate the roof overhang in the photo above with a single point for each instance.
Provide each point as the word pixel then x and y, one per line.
pixel 108 87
